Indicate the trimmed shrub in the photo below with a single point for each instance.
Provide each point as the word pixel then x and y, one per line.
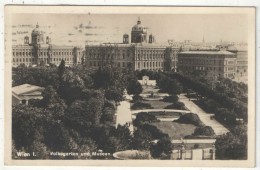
pixel 204 131
pixel 137 98
pixel 144 117
pixel 173 98
pixel 190 118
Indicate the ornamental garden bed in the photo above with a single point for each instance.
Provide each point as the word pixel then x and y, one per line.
pixel 175 130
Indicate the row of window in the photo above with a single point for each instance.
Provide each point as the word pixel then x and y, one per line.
pixel 194 61
pixel 201 68
pixel 150 64
pixel 41 53
pixel 98 63
pixel 107 57
pixel 45 59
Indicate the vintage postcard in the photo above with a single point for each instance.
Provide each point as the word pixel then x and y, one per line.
pixel 130 86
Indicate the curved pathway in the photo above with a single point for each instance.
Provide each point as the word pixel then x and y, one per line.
pixel 204 117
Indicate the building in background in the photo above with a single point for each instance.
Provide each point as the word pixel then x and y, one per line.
pixel 40 51
pixel 138 55
pixel 137 52
pixel 23 93
pixel 214 63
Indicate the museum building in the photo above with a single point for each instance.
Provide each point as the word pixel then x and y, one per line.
pixel 141 53
pixel 40 51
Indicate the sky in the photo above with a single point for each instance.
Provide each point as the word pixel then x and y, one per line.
pixel 81 29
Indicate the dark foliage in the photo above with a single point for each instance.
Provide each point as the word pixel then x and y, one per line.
pixel 144 117
pixel 137 98
pixel 190 118
pixel 162 149
pixel 204 131
pixel 172 98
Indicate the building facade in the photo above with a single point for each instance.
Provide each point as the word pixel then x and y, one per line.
pixel 215 63
pixel 138 55
pixel 41 52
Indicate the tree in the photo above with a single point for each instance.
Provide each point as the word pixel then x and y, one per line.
pixel 142 139
pixel 61 69
pixel 52 101
pixel 134 87
pixel 232 145
pixel 162 149
pixel 122 133
pixel 107 115
pixel 27 125
pixel 173 87
pixel 77 116
pixel 114 93
pixel 71 87
pixel 95 106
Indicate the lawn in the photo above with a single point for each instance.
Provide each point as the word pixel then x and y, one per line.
pixel 156 104
pixel 175 130
pixel 164 114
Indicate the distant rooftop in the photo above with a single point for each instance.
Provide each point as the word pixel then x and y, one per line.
pixel 130 44
pixel 208 52
pixel 25 88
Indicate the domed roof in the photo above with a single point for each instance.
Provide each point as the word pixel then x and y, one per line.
pixel 36 30
pixel 138 27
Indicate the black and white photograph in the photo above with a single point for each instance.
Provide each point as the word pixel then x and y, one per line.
pixel 124 84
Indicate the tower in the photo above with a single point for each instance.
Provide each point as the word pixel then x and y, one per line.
pixel 26 40
pixel 151 39
pixel 125 39
pixel 37 36
pixel 138 33
pixel 48 40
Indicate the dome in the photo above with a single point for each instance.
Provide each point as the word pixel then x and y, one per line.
pixel 138 27
pixel 36 30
